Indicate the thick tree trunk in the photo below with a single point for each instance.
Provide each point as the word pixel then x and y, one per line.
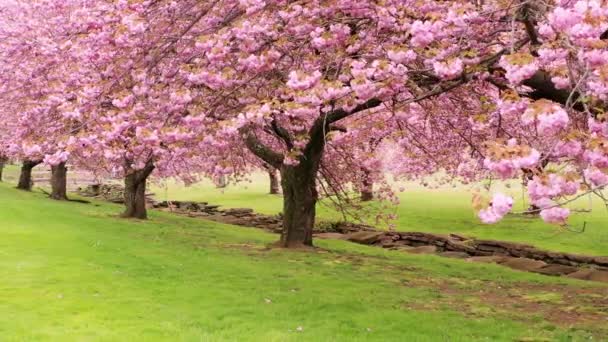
pixel 274 181
pixel 135 197
pixel 135 193
pixel 299 202
pixel 59 182
pixel 25 178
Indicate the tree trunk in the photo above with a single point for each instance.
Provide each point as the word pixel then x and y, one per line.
pixel 2 162
pixel 25 178
pixel 367 193
pixel 274 181
pixel 299 206
pixel 135 193
pixel 59 182
pixel 222 182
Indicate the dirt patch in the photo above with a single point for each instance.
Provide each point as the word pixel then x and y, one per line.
pixel 561 305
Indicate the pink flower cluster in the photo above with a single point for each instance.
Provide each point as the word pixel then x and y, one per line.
pixel 301 81
pixel 555 215
pixel 56 158
pixel 449 69
pixel 401 56
pixel 501 204
pixel 507 165
pixel 550 187
pixel 596 177
pixel 518 70
pixel 550 117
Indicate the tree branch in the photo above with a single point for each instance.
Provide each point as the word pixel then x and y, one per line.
pixel 282 133
pixel 262 151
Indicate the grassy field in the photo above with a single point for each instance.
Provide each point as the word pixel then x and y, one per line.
pixel 442 210
pixel 77 272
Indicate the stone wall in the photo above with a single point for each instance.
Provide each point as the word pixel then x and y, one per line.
pixel 114 193
pixel 515 255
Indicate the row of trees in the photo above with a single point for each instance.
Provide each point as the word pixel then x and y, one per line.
pixel 330 93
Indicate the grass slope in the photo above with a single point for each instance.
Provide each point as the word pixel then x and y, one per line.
pixel 76 272
pixel 443 210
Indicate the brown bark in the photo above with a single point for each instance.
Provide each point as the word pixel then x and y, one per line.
pixel 59 182
pixel 2 163
pixel 222 182
pixel 135 193
pixel 299 181
pixel 25 178
pixel 274 181
pixel 367 193
pixel 300 193
pixel 299 205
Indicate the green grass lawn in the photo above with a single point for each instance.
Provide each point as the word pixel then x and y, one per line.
pixel 442 210
pixel 77 272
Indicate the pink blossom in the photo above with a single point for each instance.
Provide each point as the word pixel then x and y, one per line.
pixel 550 117
pixel 563 19
pixel 518 67
pixel 499 207
pixel 300 81
pixel 571 148
pixel 598 127
pixel 596 158
pixel 422 33
pixel 56 158
pixel 449 69
pixel 596 177
pixel 507 168
pixel 555 215
pixel 401 56
pixel 252 6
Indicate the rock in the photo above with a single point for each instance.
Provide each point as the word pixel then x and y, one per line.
pixel 457 255
pixel 330 236
pixel 590 274
pixel 387 243
pixel 488 259
pixel 582 274
pixel 601 276
pixel 423 250
pixel 557 270
pixel 583 259
pixel 364 237
pixel 523 264
pixel 458 237
pixel 233 211
pixel 459 247
pixel 602 261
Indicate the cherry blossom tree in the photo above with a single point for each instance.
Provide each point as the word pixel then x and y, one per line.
pixel 289 72
pixel 318 90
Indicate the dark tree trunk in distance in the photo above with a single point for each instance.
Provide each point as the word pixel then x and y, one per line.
pixel 367 194
pixel 59 182
pixel 274 181
pixel 135 193
pixel 25 178
pixel 2 163
pixel 222 183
